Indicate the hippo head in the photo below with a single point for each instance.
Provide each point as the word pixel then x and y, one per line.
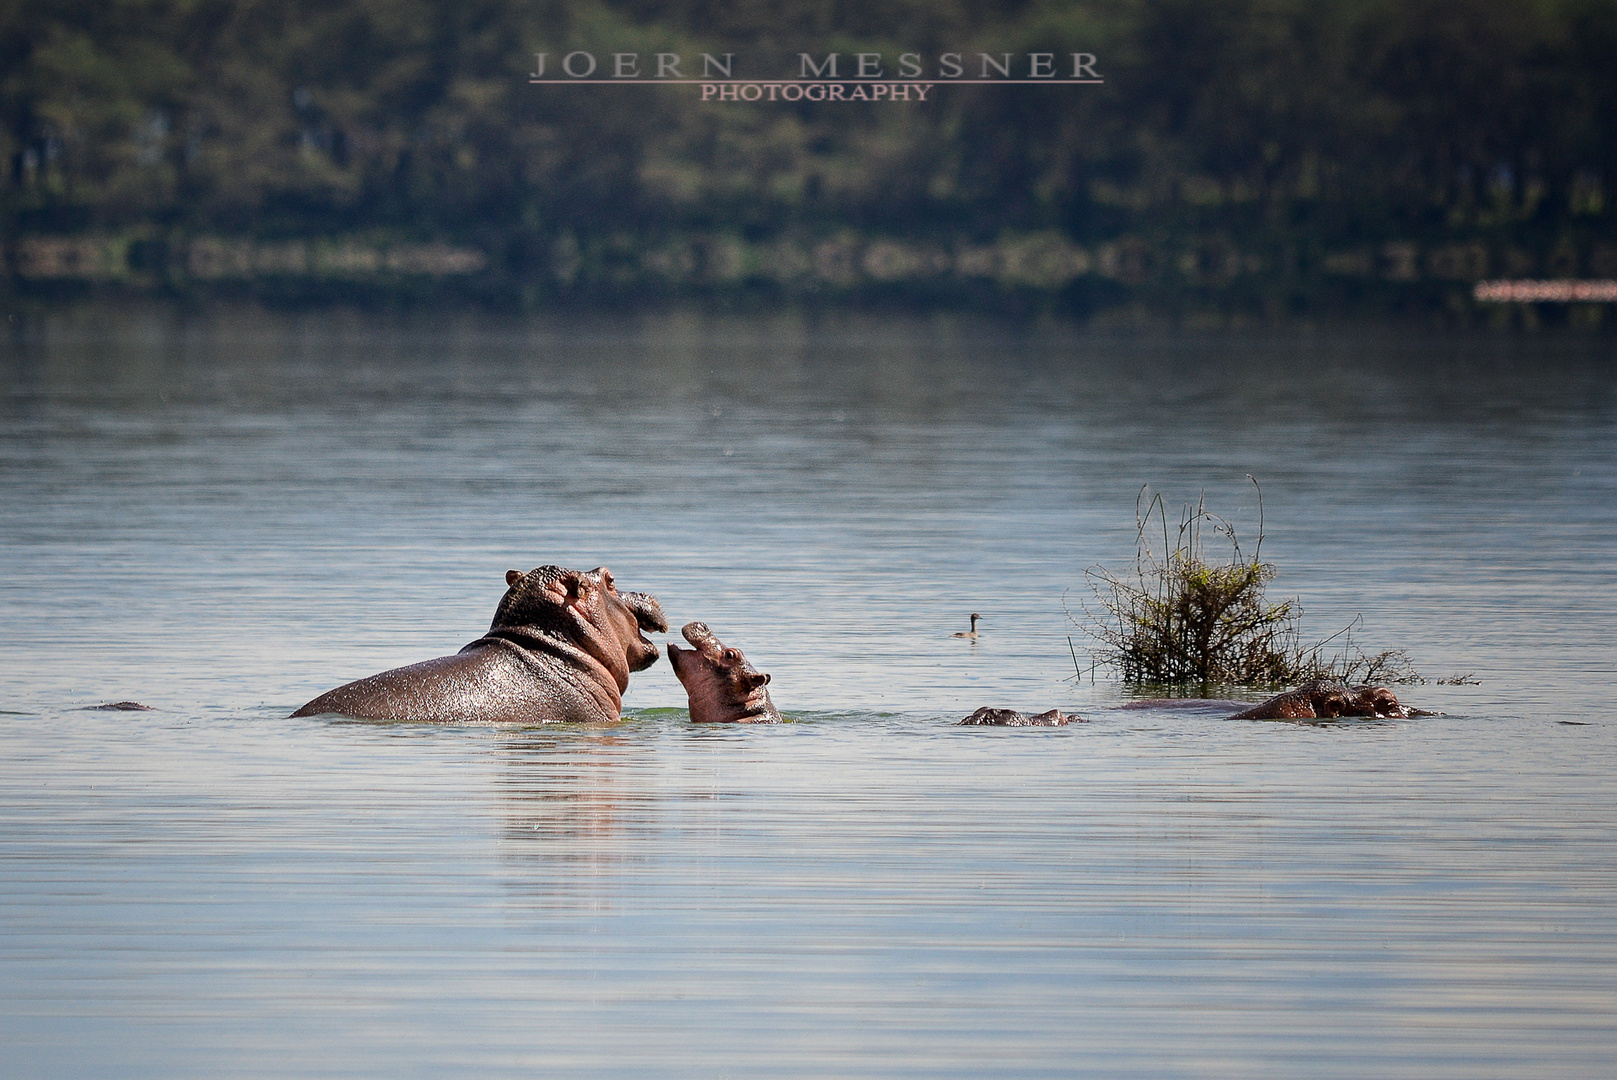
pixel 1376 701
pixel 1327 698
pixel 1331 699
pixel 721 684
pixel 585 608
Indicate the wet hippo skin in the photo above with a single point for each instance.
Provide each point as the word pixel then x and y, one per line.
pixel 560 649
pixel 1324 699
pixel 987 717
pixel 723 688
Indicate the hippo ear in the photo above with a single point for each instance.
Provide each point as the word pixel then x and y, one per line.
pixel 512 577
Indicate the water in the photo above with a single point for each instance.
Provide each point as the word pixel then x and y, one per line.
pixel 222 515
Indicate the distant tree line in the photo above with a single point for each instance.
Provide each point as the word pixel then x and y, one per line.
pixel 1240 154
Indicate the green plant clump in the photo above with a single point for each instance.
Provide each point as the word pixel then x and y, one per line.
pixel 1183 617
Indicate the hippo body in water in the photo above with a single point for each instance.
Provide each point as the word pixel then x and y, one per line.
pixel 1324 699
pixel 722 686
pixel 560 649
pixel 988 717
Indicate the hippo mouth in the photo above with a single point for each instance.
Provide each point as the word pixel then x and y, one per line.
pixel 702 641
pixel 676 659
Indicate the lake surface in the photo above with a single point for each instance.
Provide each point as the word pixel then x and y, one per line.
pixel 224 514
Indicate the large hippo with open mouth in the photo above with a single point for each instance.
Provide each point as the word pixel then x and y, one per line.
pixel 1324 699
pixel 722 686
pixel 560 649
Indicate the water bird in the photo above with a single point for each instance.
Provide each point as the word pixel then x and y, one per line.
pixel 972 633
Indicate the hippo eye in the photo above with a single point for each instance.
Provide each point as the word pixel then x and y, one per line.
pixel 731 656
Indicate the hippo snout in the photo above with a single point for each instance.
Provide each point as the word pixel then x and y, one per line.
pixel 699 635
pixel 647 611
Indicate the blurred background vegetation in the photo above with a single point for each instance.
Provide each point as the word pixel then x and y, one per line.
pixel 1248 157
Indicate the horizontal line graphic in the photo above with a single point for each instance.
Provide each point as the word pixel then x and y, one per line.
pixel 809 82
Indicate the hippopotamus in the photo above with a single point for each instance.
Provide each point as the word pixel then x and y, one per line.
pixel 119 706
pixel 1326 698
pixel 722 686
pixel 1012 718
pixel 560 649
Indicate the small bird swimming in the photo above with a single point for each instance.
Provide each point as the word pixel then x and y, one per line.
pixel 972 633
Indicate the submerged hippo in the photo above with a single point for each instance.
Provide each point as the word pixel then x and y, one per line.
pixel 722 686
pixel 1012 718
pixel 1323 699
pixel 561 648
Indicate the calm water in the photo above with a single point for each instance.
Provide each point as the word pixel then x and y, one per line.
pixel 223 515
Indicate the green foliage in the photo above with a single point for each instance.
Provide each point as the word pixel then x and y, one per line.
pixel 1273 147
pixel 1183 619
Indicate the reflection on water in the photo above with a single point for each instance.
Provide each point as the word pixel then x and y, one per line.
pixel 568 801
pixel 224 515
pixel 1153 893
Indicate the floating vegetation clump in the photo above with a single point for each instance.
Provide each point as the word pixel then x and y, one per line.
pixel 1185 617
